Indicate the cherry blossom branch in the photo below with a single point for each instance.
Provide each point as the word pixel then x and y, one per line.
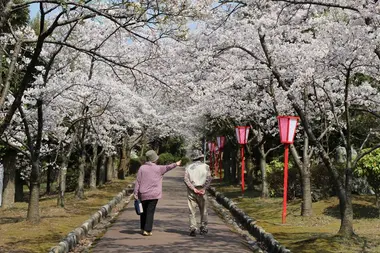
pixel 26 130
pixel 8 143
pixel 220 51
pixel 88 52
pixel 376 114
pixel 335 117
pixel 86 117
pixel 273 149
pixel 333 5
pixel 94 11
pixel 9 75
pixel 365 140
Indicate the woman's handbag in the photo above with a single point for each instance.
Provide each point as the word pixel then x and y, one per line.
pixel 138 207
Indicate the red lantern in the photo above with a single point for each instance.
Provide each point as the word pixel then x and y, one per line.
pixel 242 134
pixel 242 138
pixel 287 126
pixel 221 140
pixel 211 146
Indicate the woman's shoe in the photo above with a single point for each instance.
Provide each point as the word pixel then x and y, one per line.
pixel 145 233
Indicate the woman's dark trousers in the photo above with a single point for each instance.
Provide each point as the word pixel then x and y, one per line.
pixel 147 217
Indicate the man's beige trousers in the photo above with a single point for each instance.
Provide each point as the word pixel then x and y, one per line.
pixel 193 201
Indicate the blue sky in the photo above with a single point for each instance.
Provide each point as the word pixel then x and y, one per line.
pixel 34 9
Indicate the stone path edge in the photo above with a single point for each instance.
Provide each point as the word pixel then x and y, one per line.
pixel 271 244
pixel 73 238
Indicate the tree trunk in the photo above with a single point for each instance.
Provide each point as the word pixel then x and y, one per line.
pixel 62 175
pixel 1 184
pixel 250 171
pixel 347 214
pixel 79 193
pixel 123 159
pixel 62 184
pixel 34 194
pixel 234 163
pixel 94 166
pixel 48 179
pixel 115 167
pixel 263 170
pixel 226 163
pixel 304 170
pixel 109 175
pixel 9 161
pixel 144 143
pixel 128 162
pixel 102 170
pixel 306 208
pixel 377 194
pixel 19 195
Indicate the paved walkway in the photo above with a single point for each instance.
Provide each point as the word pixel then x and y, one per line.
pixel 170 231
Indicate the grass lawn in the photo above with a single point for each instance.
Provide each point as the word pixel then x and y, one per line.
pixel 17 235
pixel 316 234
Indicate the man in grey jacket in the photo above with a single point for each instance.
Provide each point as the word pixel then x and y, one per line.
pixel 197 179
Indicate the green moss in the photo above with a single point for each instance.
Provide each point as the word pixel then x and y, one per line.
pixel 18 235
pixel 317 233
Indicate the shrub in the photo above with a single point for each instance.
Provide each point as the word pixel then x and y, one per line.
pixel 166 158
pixel 369 166
pixel 134 165
pixel 275 177
pixel 185 160
pixel 322 185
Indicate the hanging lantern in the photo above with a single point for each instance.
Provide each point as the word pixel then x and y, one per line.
pixel 287 126
pixel 211 146
pixel 221 140
pixel 242 134
pixel 242 138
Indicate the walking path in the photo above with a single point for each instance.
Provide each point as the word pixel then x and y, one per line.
pixel 170 231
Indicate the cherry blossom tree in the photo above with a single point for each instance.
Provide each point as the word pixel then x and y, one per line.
pixel 291 42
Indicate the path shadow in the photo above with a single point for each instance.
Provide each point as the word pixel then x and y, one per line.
pixel 360 211
pixel 176 231
pixel 8 220
pixel 217 242
pixel 130 231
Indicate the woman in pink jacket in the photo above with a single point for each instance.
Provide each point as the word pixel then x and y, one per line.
pixel 148 188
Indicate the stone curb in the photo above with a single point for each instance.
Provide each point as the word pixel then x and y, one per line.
pixel 271 244
pixel 73 238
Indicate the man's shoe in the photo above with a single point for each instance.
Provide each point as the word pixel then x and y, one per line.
pixel 192 232
pixel 203 230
